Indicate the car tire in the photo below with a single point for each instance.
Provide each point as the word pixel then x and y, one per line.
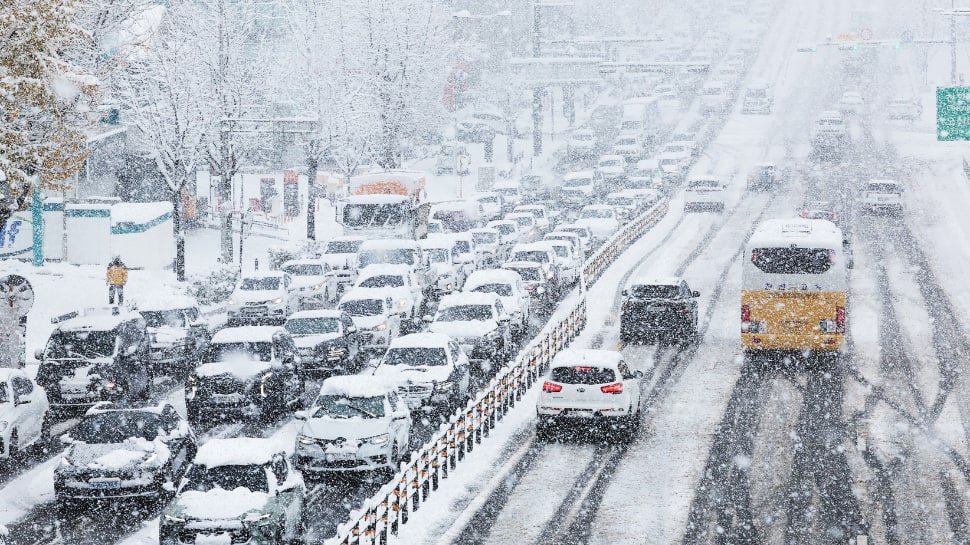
pixel 544 431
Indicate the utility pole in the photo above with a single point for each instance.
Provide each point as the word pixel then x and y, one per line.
pixel 536 91
pixel 953 46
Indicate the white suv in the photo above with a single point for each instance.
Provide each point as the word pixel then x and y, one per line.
pixel 260 296
pixel 882 196
pixel 705 191
pixel 590 386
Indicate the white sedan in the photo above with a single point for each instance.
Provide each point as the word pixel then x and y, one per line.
pixel 23 413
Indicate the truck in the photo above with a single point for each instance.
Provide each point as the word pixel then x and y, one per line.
pixel 386 204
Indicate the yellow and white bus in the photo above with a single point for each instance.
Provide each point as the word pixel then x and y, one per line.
pixel 794 281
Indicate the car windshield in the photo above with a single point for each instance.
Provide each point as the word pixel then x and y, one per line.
pixel 561 251
pixel 437 255
pixel 757 93
pixel 793 260
pixel 383 281
pixel 583 136
pixel 462 247
pixel 465 313
pixel 485 238
pixel 577 182
pixel 524 221
pixel 581 374
pixel 490 199
pixel 626 141
pixel 611 163
pixel 363 307
pixel 703 184
pixel 397 256
pixel 620 201
pixel 882 188
pixel 82 344
pixel 312 326
pixel 265 283
pixel 712 91
pixel 654 291
pixel 675 149
pixel 304 269
pixel 339 406
pixel 116 427
pixel 343 246
pixel 581 233
pixel 241 350
pixel 538 256
pixel 230 477
pixel 669 161
pixel 596 213
pixel 164 318
pixel 530 274
pixel 502 290
pixel 416 356
pixel 373 215
pixel 504 228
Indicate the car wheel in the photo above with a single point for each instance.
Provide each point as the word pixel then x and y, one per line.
pixel 544 431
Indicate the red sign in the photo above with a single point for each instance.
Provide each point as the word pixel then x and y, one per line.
pixel 291 176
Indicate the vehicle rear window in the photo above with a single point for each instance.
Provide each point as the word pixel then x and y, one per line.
pixel 648 291
pixel 343 246
pixel 793 260
pixel 580 374
pixel 537 256
pixel 882 188
pixel 260 284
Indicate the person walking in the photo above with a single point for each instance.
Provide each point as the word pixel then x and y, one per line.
pixel 116 278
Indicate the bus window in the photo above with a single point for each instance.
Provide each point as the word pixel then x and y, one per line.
pixel 793 260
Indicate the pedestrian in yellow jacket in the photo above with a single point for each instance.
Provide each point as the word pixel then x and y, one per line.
pixel 116 278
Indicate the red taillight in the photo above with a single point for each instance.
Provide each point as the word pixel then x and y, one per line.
pixel 834 216
pixel 840 319
pixel 551 387
pixel 612 388
pixel 583 369
pixel 745 313
pixel 804 214
pixel 754 256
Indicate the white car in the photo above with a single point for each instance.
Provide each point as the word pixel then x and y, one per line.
pixel 882 196
pixel 584 233
pixel 341 254
pixel 540 212
pixel 626 205
pixel 543 254
pixel 581 143
pixel 851 102
pixel 528 228
pixel 376 316
pixel 261 296
pixel 509 287
pixel 448 276
pixel 431 372
pixel 672 168
pixel 579 246
pixel 715 97
pixel 601 220
pixel 569 260
pixel 463 251
pixel 478 321
pixel 313 281
pixel 510 191
pixel 704 191
pixel 356 423
pixel 646 174
pixel 488 247
pixel 587 387
pixel 23 413
pixel 398 282
pixel 492 203
pixel 611 168
pixel 757 99
pixel 686 150
pixel 395 252
pixel 578 188
pixel 327 340
pixel 905 108
pixel 628 146
pixel 508 231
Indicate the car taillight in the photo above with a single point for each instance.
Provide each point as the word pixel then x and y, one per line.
pixel 804 214
pixel 754 256
pixel 612 388
pixel 840 319
pixel 745 313
pixel 551 387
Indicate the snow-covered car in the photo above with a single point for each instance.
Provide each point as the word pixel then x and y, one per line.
pixel 715 97
pixel 611 169
pixel 23 414
pixel 510 288
pixel 478 321
pixel 757 99
pixel 659 309
pixel 120 451
pixel 448 275
pixel 430 370
pixel 578 188
pixel 625 205
pixel 313 281
pixel 820 210
pixel 395 252
pixel 356 423
pixel 528 231
pixel 628 146
pixel 682 149
pixel 489 250
pixel 905 108
pixel 672 168
pixel 569 260
pixel 543 254
pixel 851 102
pixel 537 283
pixel 95 355
pixel 510 191
pixel 460 215
pixel 492 204
pixel 579 246
pixel 436 227
pixel 581 143
pixel 590 386
pixel 540 212
pixel 341 254
pixel 645 174
pixel 508 231
pixel 376 316
pixel 704 191
pixel 247 371
pixel 882 196
pixel 238 490
pixel 177 331
pixel 601 220
pixel 327 340
pixel 262 296
pixel 831 123
pixel 398 283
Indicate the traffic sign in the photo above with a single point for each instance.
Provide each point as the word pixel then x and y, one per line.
pixel 952 113
pixel 906 37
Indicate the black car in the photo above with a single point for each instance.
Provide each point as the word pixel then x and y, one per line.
pixel 247 371
pixel 178 333
pixel 95 355
pixel 123 451
pixel 664 310
pixel 327 341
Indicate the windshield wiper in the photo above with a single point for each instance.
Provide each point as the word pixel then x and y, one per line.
pixel 362 411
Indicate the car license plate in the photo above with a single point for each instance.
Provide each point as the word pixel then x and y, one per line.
pixel 226 399
pixel 104 485
pixel 341 456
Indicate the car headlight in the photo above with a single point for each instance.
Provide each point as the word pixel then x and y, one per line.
pixel 380 327
pixel 172 518
pixel 66 462
pixel 231 302
pixel 149 458
pixel 111 386
pixel 444 386
pixel 378 439
pixel 549 275
pixel 540 290
pixel 278 300
pixel 305 439
pixel 316 287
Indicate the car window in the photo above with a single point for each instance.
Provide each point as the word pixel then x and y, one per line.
pixel 583 374
pixel 21 387
pixel 228 477
pixel 260 284
pixel 340 406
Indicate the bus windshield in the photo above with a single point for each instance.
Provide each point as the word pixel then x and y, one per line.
pixel 793 260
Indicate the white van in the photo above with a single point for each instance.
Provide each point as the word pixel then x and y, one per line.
pixel 882 196
pixel 704 191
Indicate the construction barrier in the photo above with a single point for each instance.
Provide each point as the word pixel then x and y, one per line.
pixel 385 512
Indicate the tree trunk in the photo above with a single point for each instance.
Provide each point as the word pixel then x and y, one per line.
pixel 178 226
pixel 311 205
pixel 225 195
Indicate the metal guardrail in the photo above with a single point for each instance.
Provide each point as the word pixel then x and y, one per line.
pixel 390 507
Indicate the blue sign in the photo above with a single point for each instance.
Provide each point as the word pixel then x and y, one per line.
pixel 15 236
pixel 906 37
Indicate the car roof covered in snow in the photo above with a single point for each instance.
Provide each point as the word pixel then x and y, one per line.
pixel 656 281
pixel 582 174
pixel 388 244
pixel 591 357
pixel 417 340
pixel 521 265
pixel 238 451
pixel 467 298
pixel 246 333
pixel 382 269
pixel 348 238
pixel 542 245
pixel 95 319
pixel 357 386
pixel 648 164
pixel 796 231
pixel 436 241
pixel 491 276
pixel 153 303
pixel 321 313
pixel 267 274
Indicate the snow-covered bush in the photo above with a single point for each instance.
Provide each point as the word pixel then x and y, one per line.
pixel 215 286
pixel 281 254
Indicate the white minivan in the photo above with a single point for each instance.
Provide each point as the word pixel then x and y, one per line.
pixel 882 196
pixel 704 192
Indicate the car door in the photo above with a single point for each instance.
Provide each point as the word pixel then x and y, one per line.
pixel 28 409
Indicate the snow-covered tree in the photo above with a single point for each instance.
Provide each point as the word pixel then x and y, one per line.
pixel 44 97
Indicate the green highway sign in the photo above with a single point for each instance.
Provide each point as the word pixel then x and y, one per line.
pixel 952 113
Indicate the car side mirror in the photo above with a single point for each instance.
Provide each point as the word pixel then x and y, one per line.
pixel 301 415
pixel 427 318
pixel 638 374
pixel 39 353
pixel 695 293
pixel 352 329
pixel 66 439
pixel 625 292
